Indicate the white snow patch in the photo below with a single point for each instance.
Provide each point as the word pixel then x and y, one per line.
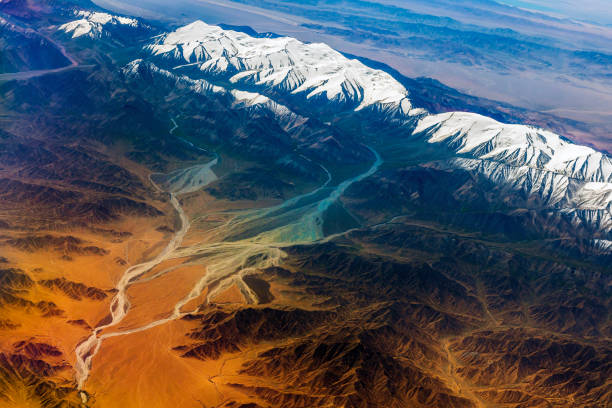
pixel 92 23
pixel 315 69
pixel 568 177
pixel 250 98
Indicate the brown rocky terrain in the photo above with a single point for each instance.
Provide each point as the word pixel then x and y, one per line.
pixel 425 289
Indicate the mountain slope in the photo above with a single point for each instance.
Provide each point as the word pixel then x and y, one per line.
pixel 287 231
pixel 94 24
pixel 572 179
pixel 284 64
pixel 23 49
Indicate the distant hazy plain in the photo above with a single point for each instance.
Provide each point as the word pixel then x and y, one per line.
pixel 597 11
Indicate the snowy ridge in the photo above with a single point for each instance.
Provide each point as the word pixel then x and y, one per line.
pixel 250 100
pixel 571 179
pixel 284 64
pixel 485 138
pixel 285 117
pixel 91 24
pixel 577 180
pixel 602 245
pixel 138 68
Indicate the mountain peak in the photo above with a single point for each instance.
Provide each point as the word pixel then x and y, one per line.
pixel 282 64
pixel 92 23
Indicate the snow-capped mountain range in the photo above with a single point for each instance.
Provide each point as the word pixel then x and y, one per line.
pixel 575 179
pixel 285 117
pixel 571 179
pixel 95 24
pixel 283 63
